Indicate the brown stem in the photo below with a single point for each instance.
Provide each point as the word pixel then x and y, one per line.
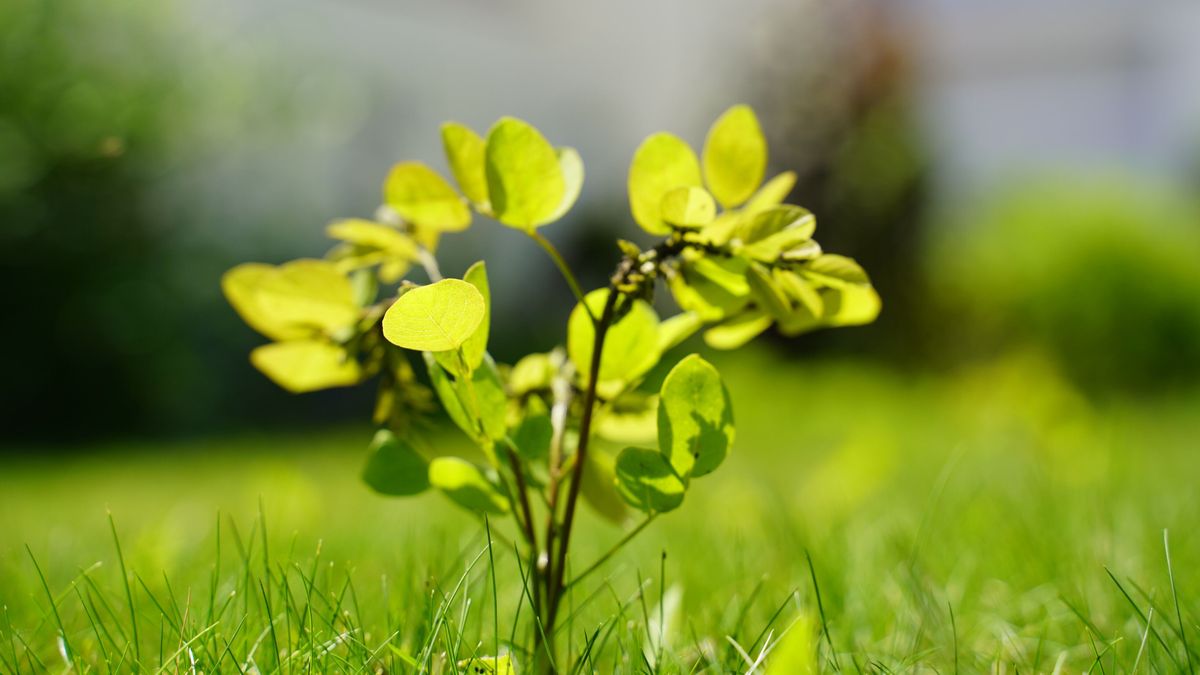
pixel 554 597
pixel 527 525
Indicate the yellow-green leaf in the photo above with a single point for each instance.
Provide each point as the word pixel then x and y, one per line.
pixel 435 318
pixel 769 296
pixel 852 305
pixel 796 651
pixel 293 300
pixel 737 331
pixel 572 171
pixel 465 151
pixel 475 346
pixel 630 345
pixel 646 481
pixel 678 328
pixel 688 207
pixel 836 271
pixel 661 163
pixel 372 235
pixel 695 418
pixel 772 193
pixel 525 180
pixel 735 156
pixel 301 366
pixel 424 198
pixel 467 485
pixel 532 372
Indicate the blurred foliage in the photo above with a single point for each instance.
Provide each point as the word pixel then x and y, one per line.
pixel 1103 274
pixel 104 109
pixel 837 93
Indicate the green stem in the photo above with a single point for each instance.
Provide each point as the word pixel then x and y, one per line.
pixel 563 268
pixel 612 551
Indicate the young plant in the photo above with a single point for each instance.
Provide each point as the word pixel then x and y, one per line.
pixel 735 258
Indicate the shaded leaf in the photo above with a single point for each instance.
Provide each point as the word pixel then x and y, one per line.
pixel 695 418
pixel 646 481
pixel 467 485
pixel 599 488
pixel 572 170
pixel 835 270
pixel 394 467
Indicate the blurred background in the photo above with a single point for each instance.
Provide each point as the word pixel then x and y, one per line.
pixel 1018 177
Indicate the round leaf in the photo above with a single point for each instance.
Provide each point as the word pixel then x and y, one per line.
pixel 301 366
pixel 466 485
pixel 369 234
pixel 475 346
pixel 735 156
pixel 630 345
pixel 572 171
pixel 394 467
pixel 688 207
pixel 661 163
pixel 695 418
pixel 465 151
pixel 525 180
pixel 646 481
pixel 421 196
pixel 772 193
pixel 292 300
pixel 435 318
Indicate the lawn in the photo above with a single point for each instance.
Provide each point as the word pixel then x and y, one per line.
pixel 990 520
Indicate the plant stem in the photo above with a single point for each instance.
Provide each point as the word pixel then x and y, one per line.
pixel 527 522
pixel 429 263
pixel 563 268
pixel 585 431
pixel 612 551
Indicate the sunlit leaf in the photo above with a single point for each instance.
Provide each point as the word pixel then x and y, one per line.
pixel 800 290
pixel 851 305
pixel 769 296
pixel 688 207
pixel 301 366
pixel 695 418
pixel 678 328
pixel 475 346
pixel 465 152
pixel 711 287
pixel 532 372
pixel 424 198
pixel 525 180
pixel 435 318
pixel 369 234
pixel 737 331
pixel 646 481
pixel 630 345
pixel 467 485
pixel 572 171
pixel 835 270
pixel 772 193
pixel 631 419
pixel 661 163
pixel 394 467
pixel 293 300
pixel 770 232
pixel 735 156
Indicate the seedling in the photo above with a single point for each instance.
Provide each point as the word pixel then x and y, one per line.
pixel 735 258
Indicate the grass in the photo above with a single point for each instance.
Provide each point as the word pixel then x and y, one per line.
pixel 987 521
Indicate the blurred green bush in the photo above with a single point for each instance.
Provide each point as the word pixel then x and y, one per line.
pixel 1101 272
